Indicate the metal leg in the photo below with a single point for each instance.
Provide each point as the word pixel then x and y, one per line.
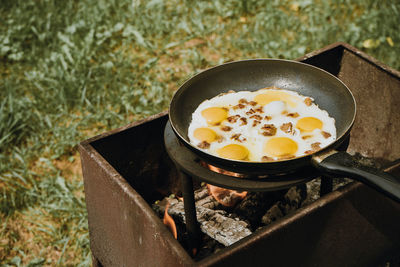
pixel 326 185
pixel 192 225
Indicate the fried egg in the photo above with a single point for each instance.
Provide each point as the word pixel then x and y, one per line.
pixel 270 124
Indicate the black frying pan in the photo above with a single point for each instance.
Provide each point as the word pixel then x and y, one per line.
pixel 250 75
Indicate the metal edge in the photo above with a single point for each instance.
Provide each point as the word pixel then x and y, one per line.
pixel 230 161
pixel 86 148
pixel 393 72
pixel 122 128
pixel 355 51
pixel 321 50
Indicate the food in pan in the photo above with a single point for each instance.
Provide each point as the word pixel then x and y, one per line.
pixel 266 125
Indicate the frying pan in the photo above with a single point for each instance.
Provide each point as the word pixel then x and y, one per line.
pixel 329 94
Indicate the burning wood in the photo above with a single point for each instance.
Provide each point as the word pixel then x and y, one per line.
pixel 231 215
pixel 217 223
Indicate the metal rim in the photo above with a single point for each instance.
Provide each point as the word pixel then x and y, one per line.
pixel 305 158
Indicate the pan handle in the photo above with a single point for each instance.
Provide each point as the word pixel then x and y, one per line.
pixel 344 164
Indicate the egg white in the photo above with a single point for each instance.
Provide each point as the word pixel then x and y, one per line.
pixel 254 139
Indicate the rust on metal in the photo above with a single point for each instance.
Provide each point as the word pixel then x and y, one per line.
pixel 127 169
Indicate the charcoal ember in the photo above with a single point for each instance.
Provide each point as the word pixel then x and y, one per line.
pixel 294 197
pixel 291 201
pixel 254 205
pixel 273 214
pixel 313 188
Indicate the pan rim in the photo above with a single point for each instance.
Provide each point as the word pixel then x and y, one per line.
pixel 333 144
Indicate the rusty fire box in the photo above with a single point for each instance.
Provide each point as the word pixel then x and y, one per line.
pixel 127 169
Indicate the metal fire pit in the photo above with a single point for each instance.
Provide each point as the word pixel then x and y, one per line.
pixel 127 169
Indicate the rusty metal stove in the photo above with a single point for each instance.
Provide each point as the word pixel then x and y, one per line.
pixel 127 169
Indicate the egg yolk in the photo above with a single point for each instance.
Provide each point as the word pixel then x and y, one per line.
pixel 309 124
pixel 280 146
pixel 233 151
pixel 205 134
pixel 214 115
pixel 270 96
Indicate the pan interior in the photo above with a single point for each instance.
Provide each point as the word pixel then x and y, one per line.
pixel 250 75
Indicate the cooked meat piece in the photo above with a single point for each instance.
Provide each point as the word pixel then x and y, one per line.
pixel 287 157
pixel 239 106
pixel 251 111
pixel 244 121
pixel 267 118
pixel 287 127
pixel 204 145
pixel 267 159
pixel 316 146
pixel 243 101
pixel 259 110
pixel 305 137
pixel 255 123
pixel 308 101
pixel 253 103
pixel 293 115
pixel 226 128
pixel 269 130
pixel 237 137
pixel 233 119
pixel 257 117
pixel 325 134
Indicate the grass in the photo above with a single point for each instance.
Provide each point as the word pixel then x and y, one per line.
pixel 73 69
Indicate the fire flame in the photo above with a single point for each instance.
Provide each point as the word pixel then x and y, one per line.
pixel 226 197
pixel 169 222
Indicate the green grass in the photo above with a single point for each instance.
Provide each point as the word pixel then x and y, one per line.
pixel 73 69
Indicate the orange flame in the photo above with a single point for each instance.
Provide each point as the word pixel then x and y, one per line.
pixel 169 222
pixel 226 197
